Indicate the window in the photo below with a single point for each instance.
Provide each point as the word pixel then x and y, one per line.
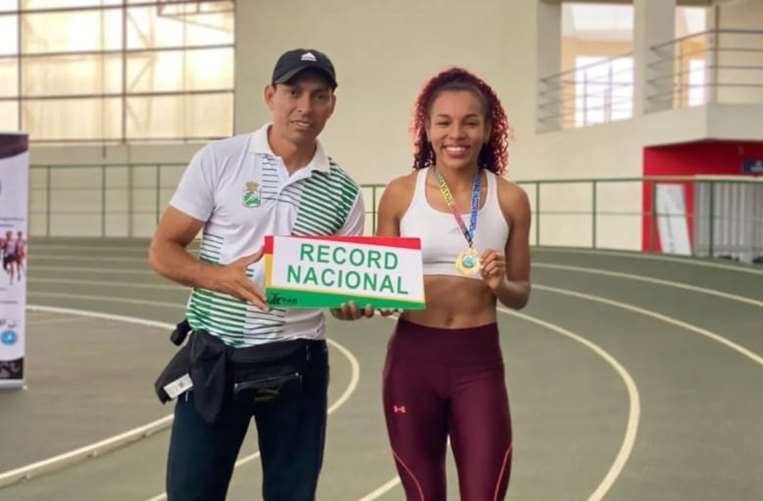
pixel 114 71
pixel 696 82
pixel 603 89
pixel 597 43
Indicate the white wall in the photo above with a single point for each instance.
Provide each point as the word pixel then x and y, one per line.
pixel 384 50
pixel 741 15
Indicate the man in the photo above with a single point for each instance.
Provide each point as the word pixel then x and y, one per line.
pixel 277 180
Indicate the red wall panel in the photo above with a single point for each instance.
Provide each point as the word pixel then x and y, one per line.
pixel 691 159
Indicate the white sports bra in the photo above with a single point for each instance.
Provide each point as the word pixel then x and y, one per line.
pixel 442 239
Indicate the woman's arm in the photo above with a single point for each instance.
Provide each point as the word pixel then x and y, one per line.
pixel 508 276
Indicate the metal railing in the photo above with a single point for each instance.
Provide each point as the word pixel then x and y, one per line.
pixel 598 92
pixel 714 66
pixel 702 216
pixel 123 200
pixel 691 215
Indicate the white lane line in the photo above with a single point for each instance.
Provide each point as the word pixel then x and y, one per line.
pixel 107 299
pixel 97 247
pixel 635 255
pixel 631 428
pixel 336 405
pixel 634 407
pixel 83 269
pixel 39 316
pixel 91 248
pixel 627 443
pixel 32 470
pixel 60 320
pixel 99 448
pixel 97 314
pixel 109 283
pixel 79 257
pixel 668 283
pixel 381 490
pixel 659 316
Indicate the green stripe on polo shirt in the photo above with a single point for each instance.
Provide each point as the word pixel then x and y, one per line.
pixel 210 248
pixel 234 321
pixel 325 202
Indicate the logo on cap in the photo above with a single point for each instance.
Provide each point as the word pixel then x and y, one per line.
pixel 308 56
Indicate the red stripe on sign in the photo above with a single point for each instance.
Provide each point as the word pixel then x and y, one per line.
pixel 398 242
pixel 268 247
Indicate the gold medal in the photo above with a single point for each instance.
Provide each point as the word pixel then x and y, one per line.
pixel 468 262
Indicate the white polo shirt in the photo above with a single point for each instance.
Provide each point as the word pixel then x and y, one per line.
pixel 244 192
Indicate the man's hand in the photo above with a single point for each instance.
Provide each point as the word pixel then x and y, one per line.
pixel 231 279
pixel 350 311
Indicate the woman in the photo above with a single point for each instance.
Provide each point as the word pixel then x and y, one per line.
pixel 444 371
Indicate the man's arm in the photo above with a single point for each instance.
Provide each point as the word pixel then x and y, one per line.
pixel 167 255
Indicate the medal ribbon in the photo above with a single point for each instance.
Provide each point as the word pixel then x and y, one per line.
pixel 448 196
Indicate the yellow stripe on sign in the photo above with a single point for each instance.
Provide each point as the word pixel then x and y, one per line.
pixel 268 269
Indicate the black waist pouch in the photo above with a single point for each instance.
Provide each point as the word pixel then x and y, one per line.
pixel 178 367
pixel 217 371
pixel 261 372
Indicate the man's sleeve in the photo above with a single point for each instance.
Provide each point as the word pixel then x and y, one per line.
pixel 195 194
pixel 355 222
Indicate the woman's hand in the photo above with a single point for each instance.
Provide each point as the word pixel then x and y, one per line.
pixel 350 311
pixel 493 269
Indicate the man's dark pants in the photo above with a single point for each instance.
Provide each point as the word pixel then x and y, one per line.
pixel 291 431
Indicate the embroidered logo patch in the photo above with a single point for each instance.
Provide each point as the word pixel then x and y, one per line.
pixel 252 196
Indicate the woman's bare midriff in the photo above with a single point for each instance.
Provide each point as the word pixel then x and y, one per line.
pixel 454 303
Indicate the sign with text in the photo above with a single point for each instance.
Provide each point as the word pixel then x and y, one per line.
pixel 14 189
pixel 671 220
pixel 752 166
pixel 324 272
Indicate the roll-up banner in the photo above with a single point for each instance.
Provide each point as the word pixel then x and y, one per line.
pixel 14 189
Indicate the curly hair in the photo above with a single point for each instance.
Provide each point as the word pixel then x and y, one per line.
pixel 494 154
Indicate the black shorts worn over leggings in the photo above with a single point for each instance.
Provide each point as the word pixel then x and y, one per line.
pixel 448 382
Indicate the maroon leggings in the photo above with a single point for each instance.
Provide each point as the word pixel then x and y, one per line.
pixel 448 382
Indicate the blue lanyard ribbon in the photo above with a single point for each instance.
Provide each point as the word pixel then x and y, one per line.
pixel 448 196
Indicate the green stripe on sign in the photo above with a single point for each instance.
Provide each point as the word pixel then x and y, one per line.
pixel 290 298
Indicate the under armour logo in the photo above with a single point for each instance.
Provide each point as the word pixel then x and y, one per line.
pixel 399 409
pixel 308 56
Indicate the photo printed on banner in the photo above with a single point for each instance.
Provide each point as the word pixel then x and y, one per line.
pixel 14 189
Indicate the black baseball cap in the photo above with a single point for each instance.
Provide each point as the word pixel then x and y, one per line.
pixel 293 61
